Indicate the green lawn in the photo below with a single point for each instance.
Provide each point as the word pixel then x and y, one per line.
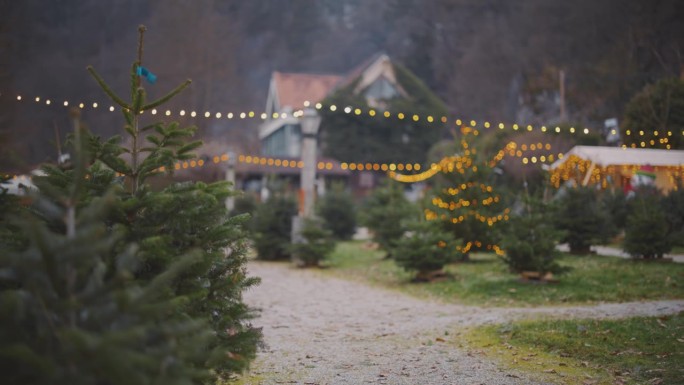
pixel 636 350
pixel 485 280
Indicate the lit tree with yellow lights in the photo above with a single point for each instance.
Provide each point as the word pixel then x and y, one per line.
pixel 465 201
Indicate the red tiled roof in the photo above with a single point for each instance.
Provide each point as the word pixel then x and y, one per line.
pixel 294 89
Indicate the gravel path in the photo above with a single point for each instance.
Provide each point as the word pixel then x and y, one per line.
pixel 322 330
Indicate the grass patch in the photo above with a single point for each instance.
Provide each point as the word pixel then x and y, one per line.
pixel 635 350
pixel 486 281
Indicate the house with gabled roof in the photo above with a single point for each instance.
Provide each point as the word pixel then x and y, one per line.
pixel 375 79
pixel 288 92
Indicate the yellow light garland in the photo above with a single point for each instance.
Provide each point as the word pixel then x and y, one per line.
pixel 333 108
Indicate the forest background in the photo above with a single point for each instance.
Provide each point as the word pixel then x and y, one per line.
pixel 495 60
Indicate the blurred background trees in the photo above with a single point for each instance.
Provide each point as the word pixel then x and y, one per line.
pixel 654 111
pixel 492 59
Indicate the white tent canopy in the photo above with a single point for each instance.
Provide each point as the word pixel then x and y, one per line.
pixel 594 161
pixel 616 156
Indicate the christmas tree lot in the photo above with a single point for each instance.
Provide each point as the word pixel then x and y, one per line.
pixel 110 281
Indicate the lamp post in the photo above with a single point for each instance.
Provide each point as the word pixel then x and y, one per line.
pixel 230 177
pixel 310 122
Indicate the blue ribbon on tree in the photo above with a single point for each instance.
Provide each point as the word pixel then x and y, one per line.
pixel 144 72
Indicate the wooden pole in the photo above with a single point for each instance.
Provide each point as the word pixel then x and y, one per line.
pixel 561 80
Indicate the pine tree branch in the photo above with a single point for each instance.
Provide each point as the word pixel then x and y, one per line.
pixel 168 96
pixel 150 126
pixel 106 88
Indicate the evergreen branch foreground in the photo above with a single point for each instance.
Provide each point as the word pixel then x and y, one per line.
pixel 104 280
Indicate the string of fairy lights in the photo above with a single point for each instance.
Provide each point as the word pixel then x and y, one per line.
pixel 529 154
pixel 662 137
pixel 392 168
pixel 460 163
pixel 446 164
pixel 469 245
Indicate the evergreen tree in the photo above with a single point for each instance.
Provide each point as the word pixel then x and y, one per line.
pixel 425 249
pixel 464 201
pixel 178 219
pixel 616 205
pixel 317 244
pixel 529 241
pixel 244 204
pixel 9 205
pixel 385 213
pixel 337 210
pixel 583 218
pixel 647 231
pixel 272 225
pixel 72 310
pixel 673 205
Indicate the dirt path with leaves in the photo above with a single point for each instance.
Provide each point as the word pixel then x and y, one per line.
pixel 323 330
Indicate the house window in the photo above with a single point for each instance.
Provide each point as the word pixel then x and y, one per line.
pixel 274 144
pixel 283 142
pixel 381 89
